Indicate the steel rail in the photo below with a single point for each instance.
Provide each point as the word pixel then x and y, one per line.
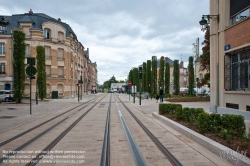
pixel 139 160
pixel 105 159
pixel 36 160
pixel 35 127
pixel 162 148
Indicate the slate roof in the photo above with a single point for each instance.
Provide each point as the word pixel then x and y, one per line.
pixel 38 19
pixel 26 19
pixel 198 59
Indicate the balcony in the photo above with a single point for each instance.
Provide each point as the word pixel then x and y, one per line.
pixel 48 75
pixel 2 74
pixel 60 58
pixel 61 76
pixel 48 57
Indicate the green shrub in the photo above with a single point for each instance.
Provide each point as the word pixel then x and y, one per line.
pixel 234 124
pixel 203 122
pixel 166 95
pixel 178 111
pixel 215 125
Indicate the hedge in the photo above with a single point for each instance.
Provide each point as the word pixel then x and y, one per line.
pixel 226 124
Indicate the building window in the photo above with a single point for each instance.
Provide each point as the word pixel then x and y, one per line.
pixel 60 54
pixel 2 48
pixel 237 71
pixel 47 33
pixel 239 16
pixel 60 36
pixel 48 68
pixel 2 68
pixel 47 51
pixel 60 71
pixel 3 29
pixel 27 51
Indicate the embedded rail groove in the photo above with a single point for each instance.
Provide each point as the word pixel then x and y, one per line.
pixel 34 161
pixel 162 148
pixel 35 127
pixel 133 147
pixel 105 159
pixel 43 133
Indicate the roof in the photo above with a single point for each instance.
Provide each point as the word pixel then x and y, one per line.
pixel 26 19
pixel 38 19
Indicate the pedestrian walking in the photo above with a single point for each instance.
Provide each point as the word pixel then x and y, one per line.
pixel 157 98
pixel 161 94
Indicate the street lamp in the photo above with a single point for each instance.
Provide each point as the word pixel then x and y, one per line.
pixel 205 20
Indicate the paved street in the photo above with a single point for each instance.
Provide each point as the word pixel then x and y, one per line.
pixel 87 135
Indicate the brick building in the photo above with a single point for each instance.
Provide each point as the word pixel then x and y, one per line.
pixel 230 57
pixel 66 58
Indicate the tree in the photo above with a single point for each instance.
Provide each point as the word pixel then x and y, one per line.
pixel 154 75
pixel 18 65
pixel 161 73
pixel 144 80
pixel 148 75
pixel 205 57
pixel 176 77
pixel 191 76
pixel 167 77
pixel 41 71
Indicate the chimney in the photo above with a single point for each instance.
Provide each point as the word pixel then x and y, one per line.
pixel 88 50
pixel 166 58
pixel 181 64
pixel 30 12
pixel 59 19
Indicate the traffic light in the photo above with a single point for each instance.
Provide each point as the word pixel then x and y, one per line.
pixel 140 72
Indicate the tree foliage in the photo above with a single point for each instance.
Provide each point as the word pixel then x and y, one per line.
pixel 18 65
pixel 148 75
pixel 176 77
pixel 41 72
pixel 167 77
pixel 144 80
pixel 191 76
pixel 154 75
pixel 205 57
pixel 161 73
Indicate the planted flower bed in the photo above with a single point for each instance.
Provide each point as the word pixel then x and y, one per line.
pixel 226 129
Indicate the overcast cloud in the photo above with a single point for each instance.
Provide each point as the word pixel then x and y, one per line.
pixel 124 34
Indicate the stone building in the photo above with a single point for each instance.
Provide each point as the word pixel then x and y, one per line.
pixel 183 73
pixel 230 57
pixel 66 58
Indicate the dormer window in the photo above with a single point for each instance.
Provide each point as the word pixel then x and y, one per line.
pixel 3 29
pixel 47 33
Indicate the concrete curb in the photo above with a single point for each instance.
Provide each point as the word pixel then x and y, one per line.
pixel 234 157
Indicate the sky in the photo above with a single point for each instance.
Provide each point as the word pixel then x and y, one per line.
pixel 122 34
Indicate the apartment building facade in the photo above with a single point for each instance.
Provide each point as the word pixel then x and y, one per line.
pixel 183 80
pixel 230 57
pixel 66 58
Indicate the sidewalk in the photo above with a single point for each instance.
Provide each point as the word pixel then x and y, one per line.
pixel 149 106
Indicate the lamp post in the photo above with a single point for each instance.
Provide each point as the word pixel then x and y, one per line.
pixel 214 50
pixel 81 85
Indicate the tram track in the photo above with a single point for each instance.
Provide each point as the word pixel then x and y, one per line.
pixel 41 124
pixel 27 143
pixel 160 146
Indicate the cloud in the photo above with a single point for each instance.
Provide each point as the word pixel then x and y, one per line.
pixel 124 34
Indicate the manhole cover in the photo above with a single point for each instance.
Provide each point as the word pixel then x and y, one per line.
pixel 11 108
pixel 6 117
pixel 102 104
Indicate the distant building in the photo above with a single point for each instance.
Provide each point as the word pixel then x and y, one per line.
pixel 183 72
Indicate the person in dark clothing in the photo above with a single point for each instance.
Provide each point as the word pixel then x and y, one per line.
pixel 157 98
pixel 161 94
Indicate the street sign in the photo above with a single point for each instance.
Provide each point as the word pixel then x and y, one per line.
pixel 30 71
pixel 129 83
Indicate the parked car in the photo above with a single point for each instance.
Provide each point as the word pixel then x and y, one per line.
pixel 6 95
pixel 110 91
